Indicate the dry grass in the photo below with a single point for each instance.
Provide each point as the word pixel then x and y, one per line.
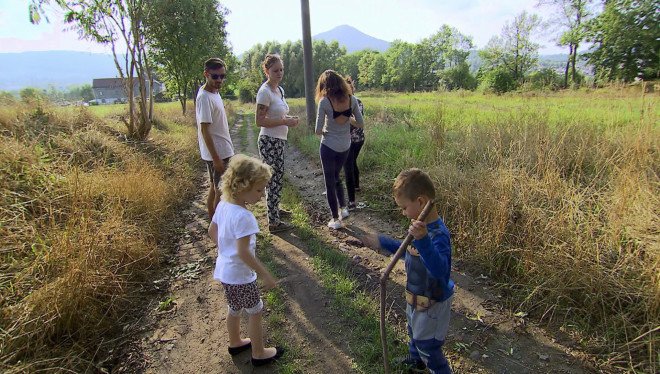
pixel 81 212
pixel 557 196
pixel 567 218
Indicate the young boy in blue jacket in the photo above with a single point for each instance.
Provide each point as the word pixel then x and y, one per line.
pixel 429 290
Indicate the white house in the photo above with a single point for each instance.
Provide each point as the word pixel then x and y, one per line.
pixel 113 90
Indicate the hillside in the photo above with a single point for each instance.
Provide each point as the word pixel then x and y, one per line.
pixel 353 39
pixel 60 69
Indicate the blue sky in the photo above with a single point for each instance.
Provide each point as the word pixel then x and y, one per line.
pixel 258 21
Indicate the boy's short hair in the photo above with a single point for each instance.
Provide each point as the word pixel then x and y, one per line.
pixel 214 63
pixel 413 183
pixel 242 173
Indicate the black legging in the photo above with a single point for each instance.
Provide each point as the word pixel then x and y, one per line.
pixel 351 170
pixel 332 163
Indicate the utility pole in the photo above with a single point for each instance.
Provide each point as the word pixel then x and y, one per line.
pixel 307 61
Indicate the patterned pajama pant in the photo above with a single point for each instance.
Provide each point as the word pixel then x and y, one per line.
pixel 271 151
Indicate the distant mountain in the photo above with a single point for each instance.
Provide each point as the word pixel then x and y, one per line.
pixel 353 39
pixel 60 69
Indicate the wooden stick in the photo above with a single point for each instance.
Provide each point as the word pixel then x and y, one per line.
pixel 383 284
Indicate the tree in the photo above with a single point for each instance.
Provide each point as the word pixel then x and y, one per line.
pixel 326 56
pixel 423 63
pixel 451 47
pixel 546 78
pixel 292 56
pixel 625 40
pixel 371 69
pixel 248 85
pixel 180 41
pixel 570 16
pixel 108 22
pixel 448 50
pixel 498 80
pixel 514 49
pixel 86 93
pixel 400 69
pixel 349 64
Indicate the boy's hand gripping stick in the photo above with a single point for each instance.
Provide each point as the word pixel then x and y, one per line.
pixel 383 284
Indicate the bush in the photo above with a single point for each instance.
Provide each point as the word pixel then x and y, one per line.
pixel 248 86
pixel 31 95
pixel 498 80
pixel 162 97
pixel 6 98
pixel 458 77
pixel 546 78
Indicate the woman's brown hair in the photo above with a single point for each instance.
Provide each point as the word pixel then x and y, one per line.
pixel 332 85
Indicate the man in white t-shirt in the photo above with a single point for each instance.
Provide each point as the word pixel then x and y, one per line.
pixel 215 144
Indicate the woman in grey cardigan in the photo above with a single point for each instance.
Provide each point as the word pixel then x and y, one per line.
pixel 333 123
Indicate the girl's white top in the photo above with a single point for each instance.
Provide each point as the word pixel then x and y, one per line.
pixel 234 222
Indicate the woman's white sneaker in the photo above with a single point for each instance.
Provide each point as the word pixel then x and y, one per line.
pixel 334 224
pixel 343 212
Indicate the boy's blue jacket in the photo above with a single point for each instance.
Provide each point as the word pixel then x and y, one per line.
pixel 428 273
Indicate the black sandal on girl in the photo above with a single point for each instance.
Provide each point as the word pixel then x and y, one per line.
pixel 236 350
pixel 279 352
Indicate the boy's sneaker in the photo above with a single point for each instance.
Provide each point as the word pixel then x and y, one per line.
pixel 351 205
pixel 281 226
pixel 334 224
pixel 414 365
pixel 343 212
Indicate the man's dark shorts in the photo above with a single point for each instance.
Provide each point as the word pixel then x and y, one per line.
pixel 214 176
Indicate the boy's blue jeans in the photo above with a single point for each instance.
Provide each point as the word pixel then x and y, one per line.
pixel 428 330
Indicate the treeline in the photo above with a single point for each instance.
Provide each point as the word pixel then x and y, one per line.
pixel 624 48
pixel 403 67
pixel 30 94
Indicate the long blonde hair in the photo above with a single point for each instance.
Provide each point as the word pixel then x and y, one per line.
pixel 242 173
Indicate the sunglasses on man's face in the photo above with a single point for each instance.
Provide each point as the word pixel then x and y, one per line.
pixel 218 76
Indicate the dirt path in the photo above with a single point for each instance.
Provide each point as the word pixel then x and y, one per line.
pixel 188 335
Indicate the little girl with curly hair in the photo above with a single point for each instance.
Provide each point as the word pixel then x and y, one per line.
pixel 233 229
